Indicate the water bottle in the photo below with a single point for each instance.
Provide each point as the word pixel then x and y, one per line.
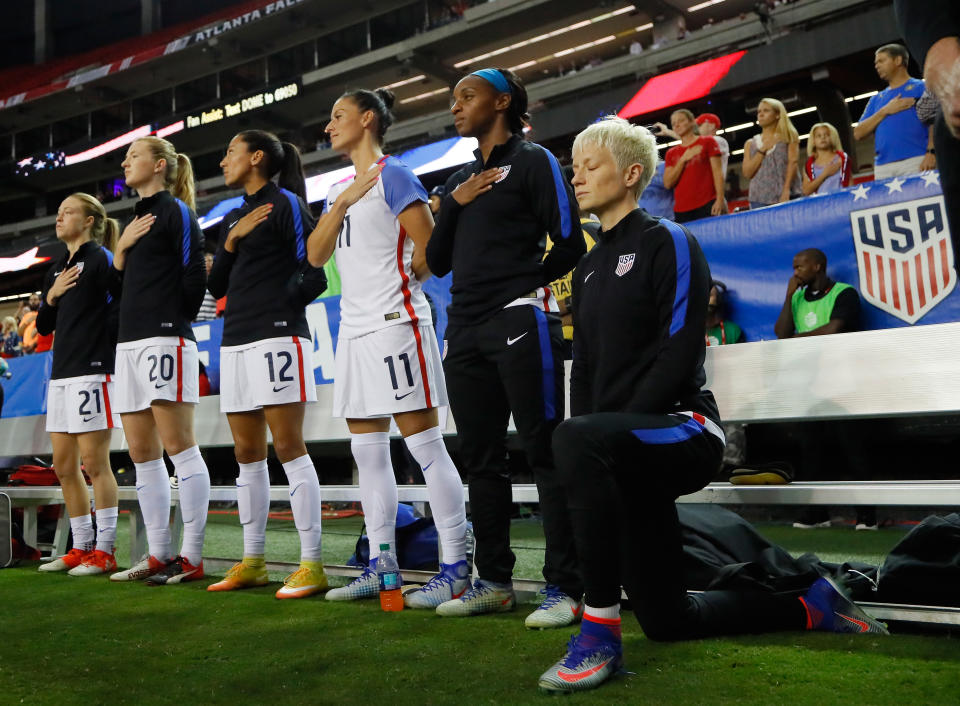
pixel 388 574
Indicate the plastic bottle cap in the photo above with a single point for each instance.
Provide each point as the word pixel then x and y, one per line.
pixel 384 547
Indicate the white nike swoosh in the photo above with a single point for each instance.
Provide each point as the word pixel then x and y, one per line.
pixel 511 341
pixel 589 275
pixel 233 224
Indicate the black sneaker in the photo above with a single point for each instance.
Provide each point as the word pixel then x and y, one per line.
pixel 177 570
pixel 813 517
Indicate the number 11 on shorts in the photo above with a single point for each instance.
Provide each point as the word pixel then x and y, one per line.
pixel 393 370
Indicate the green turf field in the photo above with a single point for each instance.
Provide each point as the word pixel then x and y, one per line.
pixel 72 640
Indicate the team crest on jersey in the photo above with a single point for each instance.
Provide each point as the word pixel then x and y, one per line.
pixel 905 256
pixel 79 267
pixel 504 170
pixel 625 264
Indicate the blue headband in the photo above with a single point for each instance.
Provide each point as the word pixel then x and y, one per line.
pixel 495 78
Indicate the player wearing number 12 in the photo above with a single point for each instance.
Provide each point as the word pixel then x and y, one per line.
pixel 387 360
pixel 77 303
pixel 266 373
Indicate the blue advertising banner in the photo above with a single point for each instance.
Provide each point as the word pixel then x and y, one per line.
pixel 888 239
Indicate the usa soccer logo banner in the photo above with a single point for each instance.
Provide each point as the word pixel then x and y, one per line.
pixel 905 256
pixel 624 263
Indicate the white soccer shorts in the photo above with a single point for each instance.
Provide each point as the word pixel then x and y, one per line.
pixel 81 404
pixel 396 369
pixel 161 368
pixel 268 372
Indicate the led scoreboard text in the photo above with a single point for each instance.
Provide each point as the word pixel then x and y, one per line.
pixel 244 105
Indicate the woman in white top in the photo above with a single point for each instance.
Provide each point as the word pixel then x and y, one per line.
pixel 388 361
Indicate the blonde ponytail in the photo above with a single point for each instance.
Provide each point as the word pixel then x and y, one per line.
pixel 178 176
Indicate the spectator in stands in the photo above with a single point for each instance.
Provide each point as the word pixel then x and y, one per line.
pixel 708 124
pixel 693 170
pixel 827 168
pixel 11 339
pixel 639 408
pixel 932 30
pixel 77 303
pixel 388 365
pixel 723 332
pixel 27 328
pixel 208 309
pixel 261 267
pixel 903 145
pixel 816 305
pixel 157 370
pixel 504 348
pixel 770 158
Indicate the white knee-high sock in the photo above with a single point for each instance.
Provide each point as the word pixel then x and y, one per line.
pixel 305 503
pixel 194 501
pixel 153 493
pixel 82 529
pixel 378 488
pixel 446 492
pixel 253 503
pixel 107 528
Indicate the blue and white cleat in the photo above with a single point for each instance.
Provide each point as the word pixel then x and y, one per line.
pixel 366 585
pixel 830 609
pixel 480 598
pixel 557 610
pixel 587 664
pixel 452 582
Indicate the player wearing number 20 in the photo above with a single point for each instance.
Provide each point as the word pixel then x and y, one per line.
pixel 387 359
pixel 266 373
pixel 76 302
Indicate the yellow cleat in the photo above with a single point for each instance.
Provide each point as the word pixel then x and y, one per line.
pixel 305 581
pixel 241 576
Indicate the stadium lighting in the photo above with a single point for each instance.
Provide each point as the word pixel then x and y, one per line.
pixel 702 5
pixel 581 47
pixel 548 35
pixel 869 94
pixel 428 94
pixel 404 82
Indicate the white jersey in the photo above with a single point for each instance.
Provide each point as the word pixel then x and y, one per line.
pixel 374 255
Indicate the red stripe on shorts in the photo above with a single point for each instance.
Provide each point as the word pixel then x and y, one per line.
pixel 303 385
pixel 414 321
pixel 106 403
pixel 180 371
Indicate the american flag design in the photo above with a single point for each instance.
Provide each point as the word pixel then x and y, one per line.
pixel 624 264
pixel 905 256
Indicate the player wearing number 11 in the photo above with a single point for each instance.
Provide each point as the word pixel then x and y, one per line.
pixel 266 373
pixel 387 361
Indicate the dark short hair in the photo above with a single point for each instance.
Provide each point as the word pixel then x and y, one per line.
pixel 895 50
pixel 816 255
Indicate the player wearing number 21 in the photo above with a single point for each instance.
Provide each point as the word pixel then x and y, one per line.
pixel 266 373
pixel 387 360
pixel 76 302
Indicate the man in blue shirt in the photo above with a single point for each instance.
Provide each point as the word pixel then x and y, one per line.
pixel 901 142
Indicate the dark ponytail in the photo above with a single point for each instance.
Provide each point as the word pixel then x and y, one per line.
pixel 517 115
pixel 380 102
pixel 280 158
